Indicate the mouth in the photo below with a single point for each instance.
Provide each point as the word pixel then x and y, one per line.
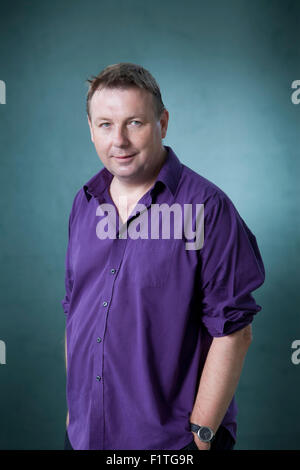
pixel 124 157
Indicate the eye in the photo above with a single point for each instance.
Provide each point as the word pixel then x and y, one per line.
pixel 136 122
pixel 103 124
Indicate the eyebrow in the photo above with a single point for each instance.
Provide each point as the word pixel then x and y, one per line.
pixel 100 118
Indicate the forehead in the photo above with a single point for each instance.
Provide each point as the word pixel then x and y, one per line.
pixel 121 101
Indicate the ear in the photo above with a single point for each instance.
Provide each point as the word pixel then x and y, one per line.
pixel 164 119
pixel 91 129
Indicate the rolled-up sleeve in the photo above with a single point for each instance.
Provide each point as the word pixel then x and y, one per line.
pixel 231 268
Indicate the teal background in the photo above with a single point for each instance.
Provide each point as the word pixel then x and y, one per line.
pixel 225 70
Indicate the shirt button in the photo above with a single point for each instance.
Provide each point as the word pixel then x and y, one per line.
pixel 98 378
pixel 104 304
pixel 113 271
pixel 99 340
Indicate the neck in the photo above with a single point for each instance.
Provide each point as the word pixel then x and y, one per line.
pixel 131 189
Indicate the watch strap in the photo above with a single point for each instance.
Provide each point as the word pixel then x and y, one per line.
pixel 195 427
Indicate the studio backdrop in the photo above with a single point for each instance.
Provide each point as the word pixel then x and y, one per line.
pixel 229 74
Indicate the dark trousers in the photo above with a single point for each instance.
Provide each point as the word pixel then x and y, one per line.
pixel 222 441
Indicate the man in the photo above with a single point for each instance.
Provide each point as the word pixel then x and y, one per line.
pixel 156 334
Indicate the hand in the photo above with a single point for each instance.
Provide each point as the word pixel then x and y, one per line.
pixel 200 444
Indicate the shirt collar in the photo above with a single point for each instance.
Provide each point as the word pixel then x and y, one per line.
pixel 169 175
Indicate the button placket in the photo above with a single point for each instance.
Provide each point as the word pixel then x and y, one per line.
pixel 113 265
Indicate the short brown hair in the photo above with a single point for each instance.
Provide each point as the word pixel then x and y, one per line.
pixel 126 75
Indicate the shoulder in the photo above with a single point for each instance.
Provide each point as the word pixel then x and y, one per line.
pixel 197 188
pixel 78 200
pixel 220 213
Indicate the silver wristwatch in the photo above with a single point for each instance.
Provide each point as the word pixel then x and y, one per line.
pixel 204 433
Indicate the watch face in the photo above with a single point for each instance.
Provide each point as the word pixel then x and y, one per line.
pixel 205 434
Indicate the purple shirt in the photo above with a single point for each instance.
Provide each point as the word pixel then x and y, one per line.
pixel 141 313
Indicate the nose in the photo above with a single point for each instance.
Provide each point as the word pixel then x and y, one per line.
pixel 120 138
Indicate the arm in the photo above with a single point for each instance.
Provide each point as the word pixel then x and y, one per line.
pixel 69 276
pixel 67 420
pixel 219 379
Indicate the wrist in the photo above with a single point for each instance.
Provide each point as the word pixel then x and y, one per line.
pixel 202 433
pixel 200 444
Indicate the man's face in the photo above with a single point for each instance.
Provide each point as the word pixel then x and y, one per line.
pixel 126 133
